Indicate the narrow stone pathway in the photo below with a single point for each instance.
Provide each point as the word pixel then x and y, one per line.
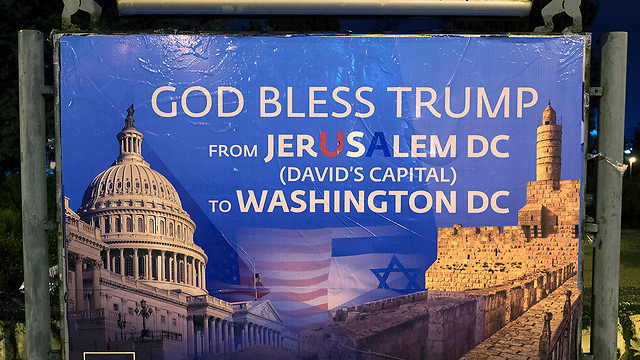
pixel 519 339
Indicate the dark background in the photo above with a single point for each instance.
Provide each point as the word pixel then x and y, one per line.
pixel 598 17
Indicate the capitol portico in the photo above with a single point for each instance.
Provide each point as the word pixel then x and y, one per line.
pixel 130 241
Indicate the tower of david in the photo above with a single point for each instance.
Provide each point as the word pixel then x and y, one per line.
pixel 546 237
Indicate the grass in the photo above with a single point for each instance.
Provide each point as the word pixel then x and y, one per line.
pixel 629 260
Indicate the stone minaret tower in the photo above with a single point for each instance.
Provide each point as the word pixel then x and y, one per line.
pixel 549 147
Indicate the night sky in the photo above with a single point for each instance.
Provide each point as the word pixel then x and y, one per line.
pixel 619 15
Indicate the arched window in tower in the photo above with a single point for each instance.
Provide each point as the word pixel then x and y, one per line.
pixel 140 225
pixel 129 224
pixel 178 231
pixel 107 226
pixel 181 272
pixel 170 229
pixel 152 226
pixel 117 268
pixel 161 227
pixel 118 225
pixel 128 266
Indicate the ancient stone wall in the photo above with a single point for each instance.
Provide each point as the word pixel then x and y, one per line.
pixel 479 257
pixel 431 324
pixel 451 330
pixel 520 338
pixel 499 305
pixel 561 198
pixel 395 328
pixel 345 313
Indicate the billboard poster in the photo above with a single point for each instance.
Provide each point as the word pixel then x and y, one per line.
pixel 225 192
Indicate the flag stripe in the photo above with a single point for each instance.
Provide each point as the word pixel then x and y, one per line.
pixel 283 257
pixel 320 309
pixel 304 296
pixel 271 281
pixel 291 249
pixel 293 265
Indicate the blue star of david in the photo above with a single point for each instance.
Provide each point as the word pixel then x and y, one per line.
pixel 395 266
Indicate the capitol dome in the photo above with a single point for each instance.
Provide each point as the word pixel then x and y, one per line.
pixel 140 217
pixel 125 181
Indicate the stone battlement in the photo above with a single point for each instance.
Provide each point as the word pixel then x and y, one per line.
pixel 345 313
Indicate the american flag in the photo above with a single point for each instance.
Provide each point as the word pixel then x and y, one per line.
pixel 294 267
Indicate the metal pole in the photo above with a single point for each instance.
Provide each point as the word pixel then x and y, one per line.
pixel 327 7
pixel 606 266
pixel 34 194
pixel 62 251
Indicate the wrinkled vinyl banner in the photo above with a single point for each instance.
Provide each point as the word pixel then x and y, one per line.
pixel 325 164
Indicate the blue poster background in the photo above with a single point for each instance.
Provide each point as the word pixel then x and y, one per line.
pixel 363 255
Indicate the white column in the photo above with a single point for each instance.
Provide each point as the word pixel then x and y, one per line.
pixel 204 279
pixel 232 340
pixel 250 339
pixel 145 269
pixel 182 320
pixel 255 335
pixel 219 336
pixel 97 266
pixel 163 257
pixel 190 336
pixel 157 267
pixel 121 261
pixel 136 270
pixel 245 334
pixel 175 267
pixel 79 284
pixel 193 271
pixel 205 335
pixel 212 337
pixel 225 337
pixel 149 266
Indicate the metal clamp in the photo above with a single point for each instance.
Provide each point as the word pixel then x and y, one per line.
pixel 595 91
pixel 589 231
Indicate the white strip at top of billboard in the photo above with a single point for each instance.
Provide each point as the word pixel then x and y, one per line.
pixel 328 7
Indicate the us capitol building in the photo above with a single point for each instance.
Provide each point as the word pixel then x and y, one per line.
pixel 136 280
